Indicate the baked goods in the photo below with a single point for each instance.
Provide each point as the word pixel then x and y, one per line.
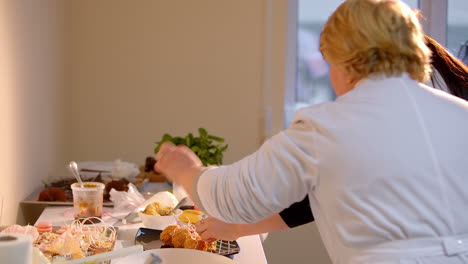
pixel 120 185
pixel 44 227
pixel 179 237
pixel 53 194
pixel 147 172
pixel 166 234
pixel 196 242
pixel 76 240
pixel 60 190
pixel 185 237
pixel 64 185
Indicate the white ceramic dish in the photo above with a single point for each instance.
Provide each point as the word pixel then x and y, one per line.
pixel 159 222
pixel 166 199
pixel 177 256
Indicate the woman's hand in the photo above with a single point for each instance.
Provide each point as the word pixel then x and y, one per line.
pixel 175 161
pixel 211 229
pixel 179 164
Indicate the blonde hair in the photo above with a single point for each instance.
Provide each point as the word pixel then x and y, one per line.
pixel 376 36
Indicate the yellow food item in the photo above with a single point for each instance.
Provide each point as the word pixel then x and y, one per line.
pixel 190 216
pixel 66 246
pixel 157 209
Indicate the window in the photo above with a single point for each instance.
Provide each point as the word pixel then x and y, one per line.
pixel 445 20
pixel 457 28
pixel 312 84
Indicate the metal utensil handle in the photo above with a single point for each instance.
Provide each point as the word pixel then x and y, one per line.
pixel 179 204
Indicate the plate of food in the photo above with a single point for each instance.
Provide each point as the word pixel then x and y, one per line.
pixel 59 192
pixel 69 242
pixel 176 236
pixel 115 175
pixel 157 211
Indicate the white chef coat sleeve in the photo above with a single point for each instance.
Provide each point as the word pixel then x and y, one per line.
pixel 281 172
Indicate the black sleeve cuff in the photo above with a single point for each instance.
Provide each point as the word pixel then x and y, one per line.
pixel 297 214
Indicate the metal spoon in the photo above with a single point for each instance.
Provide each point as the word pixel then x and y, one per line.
pixel 74 169
pixel 126 217
pixel 179 204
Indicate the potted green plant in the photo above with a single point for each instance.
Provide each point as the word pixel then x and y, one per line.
pixel 208 148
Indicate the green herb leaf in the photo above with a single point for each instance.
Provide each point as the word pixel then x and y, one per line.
pixel 208 152
pixel 218 139
pixel 203 132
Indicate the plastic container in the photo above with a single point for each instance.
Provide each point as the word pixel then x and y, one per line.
pixel 87 200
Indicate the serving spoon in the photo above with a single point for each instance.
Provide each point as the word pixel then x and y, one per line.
pixel 179 204
pixel 74 169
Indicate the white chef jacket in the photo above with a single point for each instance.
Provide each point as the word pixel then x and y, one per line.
pixel 385 167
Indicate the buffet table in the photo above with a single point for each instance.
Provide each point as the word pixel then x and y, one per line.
pixel 251 246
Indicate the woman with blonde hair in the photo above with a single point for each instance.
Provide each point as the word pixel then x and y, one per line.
pixel 384 165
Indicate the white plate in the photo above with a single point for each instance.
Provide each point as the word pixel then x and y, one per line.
pixel 177 256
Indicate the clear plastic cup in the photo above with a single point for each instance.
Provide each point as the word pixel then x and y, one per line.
pixel 87 200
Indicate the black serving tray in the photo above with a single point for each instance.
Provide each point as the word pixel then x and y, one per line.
pixel 149 239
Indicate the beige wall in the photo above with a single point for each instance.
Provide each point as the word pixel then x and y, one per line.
pixel 32 99
pixel 299 245
pixel 146 68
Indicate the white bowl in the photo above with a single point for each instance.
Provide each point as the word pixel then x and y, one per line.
pixel 159 222
pixel 166 199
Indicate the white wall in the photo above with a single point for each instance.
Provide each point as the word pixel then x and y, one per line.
pixel 146 68
pixel 32 100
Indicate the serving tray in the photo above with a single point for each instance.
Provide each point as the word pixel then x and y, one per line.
pixel 32 199
pixel 64 260
pixel 149 239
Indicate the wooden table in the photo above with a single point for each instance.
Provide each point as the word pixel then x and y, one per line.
pixel 251 246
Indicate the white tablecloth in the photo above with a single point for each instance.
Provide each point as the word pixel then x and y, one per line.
pixel 251 246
